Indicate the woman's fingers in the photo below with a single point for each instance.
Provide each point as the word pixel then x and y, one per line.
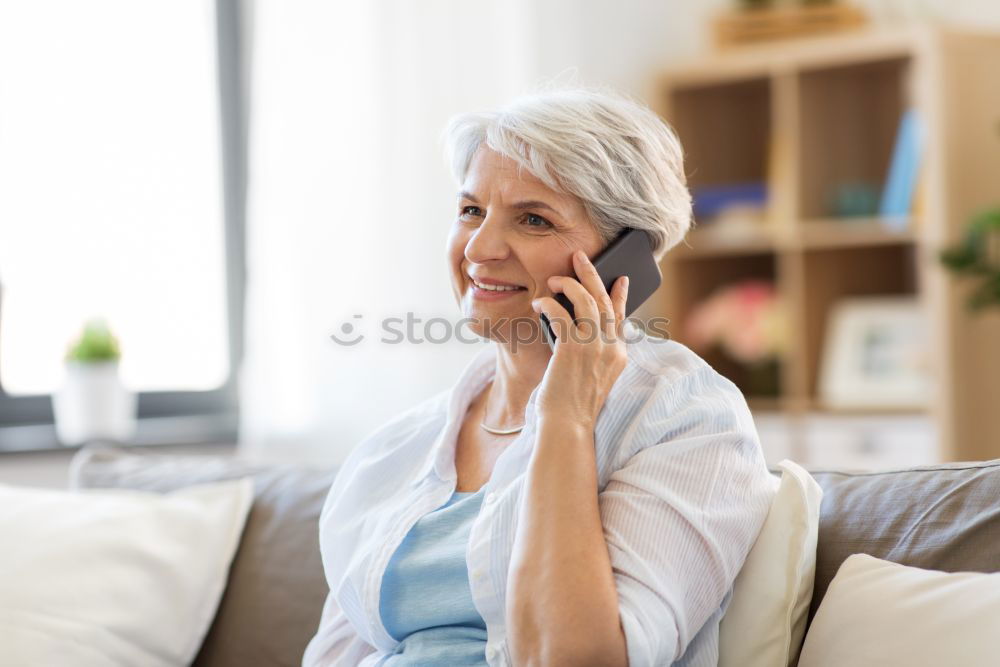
pixel 585 313
pixel 619 297
pixel 591 279
pixel 594 309
pixel 557 315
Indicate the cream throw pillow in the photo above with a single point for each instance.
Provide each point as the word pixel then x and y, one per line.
pixel 766 618
pixel 114 577
pixel 880 613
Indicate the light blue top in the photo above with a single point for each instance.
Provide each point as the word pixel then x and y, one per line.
pixel 426 603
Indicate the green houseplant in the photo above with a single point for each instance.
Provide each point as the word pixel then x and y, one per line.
pixel 92 403
pixel 978 255
pixel 94 345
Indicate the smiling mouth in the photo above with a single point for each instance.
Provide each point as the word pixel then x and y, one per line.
pixel 497 288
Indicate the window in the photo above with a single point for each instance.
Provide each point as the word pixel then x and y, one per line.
pixel 121 196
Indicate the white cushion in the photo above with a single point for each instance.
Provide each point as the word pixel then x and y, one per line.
pixel 880 613
pixel 766 618
pixel 114 577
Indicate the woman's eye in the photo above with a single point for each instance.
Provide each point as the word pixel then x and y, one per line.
pixel 533 220
pixel 470 210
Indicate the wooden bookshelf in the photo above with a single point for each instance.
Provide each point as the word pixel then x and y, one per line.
pixel 804 116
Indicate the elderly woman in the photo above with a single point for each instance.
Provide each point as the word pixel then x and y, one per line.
pixel 587 504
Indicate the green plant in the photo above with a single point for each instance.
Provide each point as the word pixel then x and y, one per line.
pixel 95 344
pixel 978 254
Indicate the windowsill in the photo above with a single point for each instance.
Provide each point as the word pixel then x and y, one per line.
pixel 150 431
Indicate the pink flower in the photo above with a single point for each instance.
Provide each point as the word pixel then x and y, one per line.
pixel 746 319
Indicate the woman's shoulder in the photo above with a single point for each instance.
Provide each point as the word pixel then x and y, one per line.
pixel 669 393
pixel 427 415
pixel 663 357
pixel 395 442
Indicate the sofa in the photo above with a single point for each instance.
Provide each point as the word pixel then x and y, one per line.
pixel 941 517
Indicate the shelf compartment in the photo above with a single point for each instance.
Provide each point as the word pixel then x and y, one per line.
pixel 725 130
pixel 713 241
pixel 690 281
pixel 854 232
pixel 849 118
pixel 832 274
pixel 869 442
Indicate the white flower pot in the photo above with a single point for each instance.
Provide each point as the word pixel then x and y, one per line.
pixel 92 404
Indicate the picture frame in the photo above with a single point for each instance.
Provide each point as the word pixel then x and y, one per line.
pixel 875 355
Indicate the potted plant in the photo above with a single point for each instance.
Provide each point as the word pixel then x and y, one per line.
pixel 92 403
pixel 978 255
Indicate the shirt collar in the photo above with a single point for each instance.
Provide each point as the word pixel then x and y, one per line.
pixel 474 377
pixel 477 373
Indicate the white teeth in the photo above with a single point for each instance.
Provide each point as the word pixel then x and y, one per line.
pixel 495 288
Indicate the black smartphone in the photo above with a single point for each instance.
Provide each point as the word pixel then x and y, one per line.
pixel 629 254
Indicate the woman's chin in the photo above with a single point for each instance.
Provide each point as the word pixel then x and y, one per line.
pixel 504 325
pixel 497 312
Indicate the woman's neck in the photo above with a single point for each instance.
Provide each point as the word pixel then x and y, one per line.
pixel 518 372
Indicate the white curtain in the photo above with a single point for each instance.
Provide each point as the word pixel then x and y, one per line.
pixel 350 206
pixel 350 199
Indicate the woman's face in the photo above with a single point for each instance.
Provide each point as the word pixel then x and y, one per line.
pixel 514 231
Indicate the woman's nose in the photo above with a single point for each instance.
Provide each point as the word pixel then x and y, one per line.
pixel 487 243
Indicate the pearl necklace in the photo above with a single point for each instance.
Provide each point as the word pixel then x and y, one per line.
pixel 497 431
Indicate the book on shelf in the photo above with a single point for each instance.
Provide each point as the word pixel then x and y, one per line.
pixel 712 200
pixel 896 203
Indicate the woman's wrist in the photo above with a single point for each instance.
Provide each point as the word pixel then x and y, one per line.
pixel 566 424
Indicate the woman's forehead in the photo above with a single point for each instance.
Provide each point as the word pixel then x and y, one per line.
pixel 491 173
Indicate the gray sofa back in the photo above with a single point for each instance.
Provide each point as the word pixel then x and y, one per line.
pixel 943 517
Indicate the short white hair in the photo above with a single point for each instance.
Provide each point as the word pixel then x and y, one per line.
pixel 621 160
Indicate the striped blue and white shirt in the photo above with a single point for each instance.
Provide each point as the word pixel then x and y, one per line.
pixel 683 492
